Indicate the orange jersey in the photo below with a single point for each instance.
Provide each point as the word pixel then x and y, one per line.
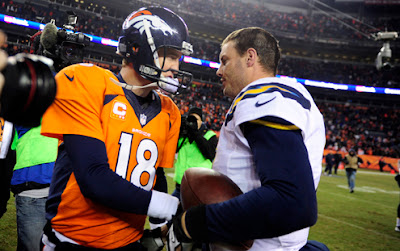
pixel 138 141
pixel 1 129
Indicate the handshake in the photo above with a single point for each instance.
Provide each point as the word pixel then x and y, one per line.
pixel 175 239
pixel 188 228
pixel 167 207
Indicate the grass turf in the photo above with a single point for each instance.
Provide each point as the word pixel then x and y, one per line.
pixel 363 220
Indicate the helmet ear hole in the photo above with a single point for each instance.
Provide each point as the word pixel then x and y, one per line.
pixel 135 48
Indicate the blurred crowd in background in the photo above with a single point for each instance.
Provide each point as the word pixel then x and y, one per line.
pixel 308 68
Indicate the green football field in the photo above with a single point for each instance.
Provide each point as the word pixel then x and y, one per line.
pixel 363 220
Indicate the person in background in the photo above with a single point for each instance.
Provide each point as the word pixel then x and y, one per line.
pixel 23 100
pixel 338 159
pixel 36 154
pixel 330 162
pixel 382 164
pixel 22 103
pixel 196 146
pixel 30 183
pixel 351 163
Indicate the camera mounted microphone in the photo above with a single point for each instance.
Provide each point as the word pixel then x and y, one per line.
pixel 49 39
pixel 64 47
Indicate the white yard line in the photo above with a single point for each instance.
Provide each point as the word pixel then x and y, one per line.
pixel 375 173
pixel 360 170
pixel 349 197
pixel 359 227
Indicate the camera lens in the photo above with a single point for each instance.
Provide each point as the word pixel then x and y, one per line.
pixel 192 122
pixel 72 52
pixel 28 90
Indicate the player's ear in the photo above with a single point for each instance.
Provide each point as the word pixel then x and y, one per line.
pixel 251 55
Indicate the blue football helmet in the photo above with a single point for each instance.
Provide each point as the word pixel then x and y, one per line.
pixel 147 30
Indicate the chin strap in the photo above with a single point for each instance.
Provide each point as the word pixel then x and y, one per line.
pixel 133 87
pixel 170 85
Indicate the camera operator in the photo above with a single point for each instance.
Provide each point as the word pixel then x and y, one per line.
pixel 196 146
pixel 36 154
pixel 27 88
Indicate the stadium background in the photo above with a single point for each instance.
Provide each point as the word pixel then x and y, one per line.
pixel 327 40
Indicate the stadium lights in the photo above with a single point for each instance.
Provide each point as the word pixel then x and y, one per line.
pixel 385 52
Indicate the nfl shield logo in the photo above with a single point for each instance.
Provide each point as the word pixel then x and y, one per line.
pixel 143 119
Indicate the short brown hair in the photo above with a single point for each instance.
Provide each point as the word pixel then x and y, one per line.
pixel 262 41
pixel 125 62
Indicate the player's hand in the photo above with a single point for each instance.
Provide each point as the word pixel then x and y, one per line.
pixel 177 239
pixel 193 134
pixel 172 241
pixel 152 240
pixel 173 244
pixel 162 205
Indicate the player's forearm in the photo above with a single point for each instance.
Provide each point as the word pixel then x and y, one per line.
pixel 98 182
pixel 278 213
pixel 161 186
pixel 285 202
pixel 161 181
pixel 275 209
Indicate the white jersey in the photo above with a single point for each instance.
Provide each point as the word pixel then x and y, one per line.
pixel 283 98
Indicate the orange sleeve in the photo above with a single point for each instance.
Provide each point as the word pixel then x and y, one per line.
pixel 78 103
pixel 173 135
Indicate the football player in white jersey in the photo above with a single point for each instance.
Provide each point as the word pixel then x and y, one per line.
pixel 271 145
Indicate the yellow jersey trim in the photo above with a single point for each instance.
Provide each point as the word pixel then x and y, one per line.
pixel 275 125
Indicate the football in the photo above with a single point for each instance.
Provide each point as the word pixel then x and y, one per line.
pixel 206 186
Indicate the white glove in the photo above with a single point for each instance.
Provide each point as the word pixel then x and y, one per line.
pixel 162 205
pixel 172 242
pixel 174 245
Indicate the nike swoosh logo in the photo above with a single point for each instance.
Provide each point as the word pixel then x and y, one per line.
pixel 260 104
pixel 69 78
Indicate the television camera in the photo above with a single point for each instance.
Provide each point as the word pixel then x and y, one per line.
pixel 64 46
pixel 382 61
pixel 188 124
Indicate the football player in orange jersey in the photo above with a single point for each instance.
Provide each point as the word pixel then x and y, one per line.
pixel 118 134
